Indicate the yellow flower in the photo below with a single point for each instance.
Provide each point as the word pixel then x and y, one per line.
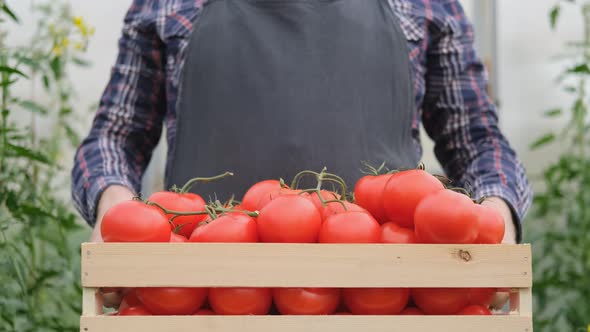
pixel 65 42
pixel 56 50
pixel 78 21
pixel 91 31
pixel 79 46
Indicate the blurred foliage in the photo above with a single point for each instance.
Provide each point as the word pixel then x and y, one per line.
pixel 39 233
pixel 560 232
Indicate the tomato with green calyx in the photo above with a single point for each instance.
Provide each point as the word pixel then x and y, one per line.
pixel 290 219
pixel 182 202
pixel 403 191
pixel 392 233
pixel 134 221
pixel 232 227
pixel 490 224
pixel 376 301
pixel 257 191
pixel 240 301
pixel 326 195
pixel 270 196
pixel 441 301
pixel 475 310
pixel 368 193
pixel 306 301
pixel 446 217
pixel 172 300
pixel 350 227
pixel 338 207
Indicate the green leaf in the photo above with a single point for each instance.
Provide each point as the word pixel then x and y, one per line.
pixel 554 15
pixel 33 107
pixel 543 140
pixel 46 81
pixel 11 70
pixel 553 112
pixel 81 62
pixel 580 69
pixel 73 137
pixel 65 111
pixel 9 12
pixel 21 151
pixel 7 83
pixel 35 211
pixel 56 67
pixel 570 89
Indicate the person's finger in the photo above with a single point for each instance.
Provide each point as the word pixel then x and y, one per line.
pixel 111 297
pixel 499 301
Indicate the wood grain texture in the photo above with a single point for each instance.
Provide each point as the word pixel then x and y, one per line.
pixel 305 265
pixel 307 323
pixel 91 302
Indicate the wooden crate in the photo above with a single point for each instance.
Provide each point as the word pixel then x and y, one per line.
pixel 306 265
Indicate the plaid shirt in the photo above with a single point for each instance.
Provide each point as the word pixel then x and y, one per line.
pixel 449 84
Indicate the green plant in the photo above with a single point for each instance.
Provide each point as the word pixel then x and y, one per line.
pixel 39 233
pixel 560 232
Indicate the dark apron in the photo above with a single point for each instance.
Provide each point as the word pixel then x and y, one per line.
pixel 272 87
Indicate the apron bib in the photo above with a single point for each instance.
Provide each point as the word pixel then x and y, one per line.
pixel 272 87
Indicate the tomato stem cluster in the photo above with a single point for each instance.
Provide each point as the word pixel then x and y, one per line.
pixel 188 185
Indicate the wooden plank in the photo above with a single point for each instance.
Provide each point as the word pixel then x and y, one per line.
pixel 525 298
pixel 304 265
pixel 91 302
pixel 306 323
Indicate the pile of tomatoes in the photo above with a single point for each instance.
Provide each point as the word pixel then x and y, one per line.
pixel 410 206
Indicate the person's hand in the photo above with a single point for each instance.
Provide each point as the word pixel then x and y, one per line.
pixel 111 196
pixel 500 205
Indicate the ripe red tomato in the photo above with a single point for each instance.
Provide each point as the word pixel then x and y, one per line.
pixel 368 193
pixel 376 301
pixel 440 301
pixel 204 312
pixel 172 300
pixel 446 217
pixel 187 202
pixel 129 300
pixel 272 195
pixel 476 310
pixel 306 301
pixel 336 207
pixel 240 301
pixel 403 191
pixel 289 218
pixel 482 296
pixel 135 221
pixel 177 238
pixel 234 227
pixel 138 310
pixel 392 233
pixel 257 191
pixel 411 311
pixel 490 224
pixel 342 313
pixel 327 195
pixel 350 227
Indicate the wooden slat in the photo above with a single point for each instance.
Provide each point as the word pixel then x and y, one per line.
pixel 91 302
pixel 304 265
pixel 307 323
pixel 525 298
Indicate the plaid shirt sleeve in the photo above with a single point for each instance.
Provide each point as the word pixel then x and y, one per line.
pixel 128 123
pixel 462 120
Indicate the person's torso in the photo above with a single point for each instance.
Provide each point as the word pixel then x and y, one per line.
pixel 173 22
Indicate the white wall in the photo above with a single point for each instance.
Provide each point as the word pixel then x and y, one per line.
pixel 525 71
